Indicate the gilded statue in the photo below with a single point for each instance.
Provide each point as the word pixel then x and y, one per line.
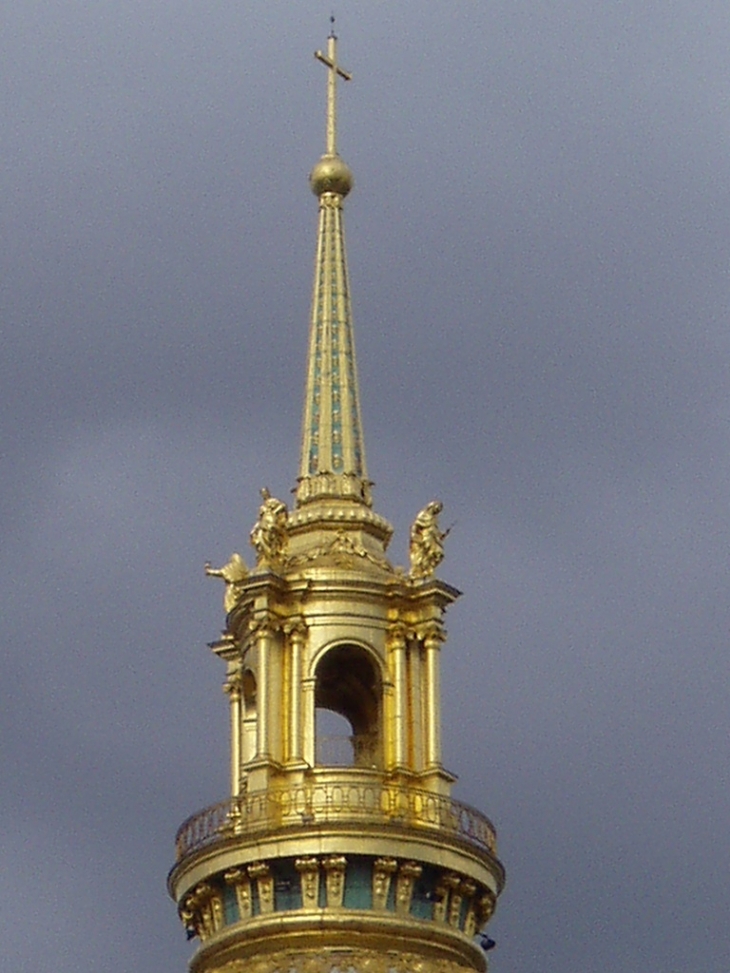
pixel 427 541
pixel 234 574
pixel 269 533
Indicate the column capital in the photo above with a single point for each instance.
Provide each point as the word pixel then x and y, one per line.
pixel 432 634
pixel 233 686
pixel 396 636
pixel 259 870
pixel 235 876
pixel 264 625
pixel 295 628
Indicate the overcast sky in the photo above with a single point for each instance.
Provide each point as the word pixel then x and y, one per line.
pixel 538 242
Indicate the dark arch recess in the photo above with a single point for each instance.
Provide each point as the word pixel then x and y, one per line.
pixel 348 682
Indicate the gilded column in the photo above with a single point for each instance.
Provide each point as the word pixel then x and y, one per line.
pixel 308 721
pixel 263 631
pixel 397 657
pixel 232 687
pixel 297 634
pixel 416 751
pixel 432 640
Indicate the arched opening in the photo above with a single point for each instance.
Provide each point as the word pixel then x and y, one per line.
pixel 347 699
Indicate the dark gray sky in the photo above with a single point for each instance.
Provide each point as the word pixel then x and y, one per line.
pixel 539 243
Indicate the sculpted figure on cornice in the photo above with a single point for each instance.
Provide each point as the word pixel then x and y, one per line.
pixel 427 541
pixel 269 533
pixel 234 574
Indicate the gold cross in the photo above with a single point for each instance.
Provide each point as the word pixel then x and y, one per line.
pixel 330 60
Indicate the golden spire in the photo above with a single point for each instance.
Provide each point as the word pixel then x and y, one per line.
pixel 355 856
pixel 333 456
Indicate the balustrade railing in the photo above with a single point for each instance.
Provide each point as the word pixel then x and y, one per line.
pixel 327 802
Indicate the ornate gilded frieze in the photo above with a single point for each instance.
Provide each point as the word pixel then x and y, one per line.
pixel 378 884
pixel 343 961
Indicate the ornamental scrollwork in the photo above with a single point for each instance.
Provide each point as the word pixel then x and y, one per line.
pixel 202 912
pixel 343 549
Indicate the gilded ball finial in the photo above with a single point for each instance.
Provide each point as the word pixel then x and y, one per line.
pixel 331 175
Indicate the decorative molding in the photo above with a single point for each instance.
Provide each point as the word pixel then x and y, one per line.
pixel 239 880
pixel 261 872
pixel 335 867
pixel 453 882
pixel 468 888
pixel 308 869
pixel 485 907
pixel 407 875
pixel 441 901
pixel 202 912
pixel 383 869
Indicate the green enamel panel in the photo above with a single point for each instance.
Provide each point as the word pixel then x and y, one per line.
pixel 230 905
pixel 287 886
pixel 424 892
pixel 359 884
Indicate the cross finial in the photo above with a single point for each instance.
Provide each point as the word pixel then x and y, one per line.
pixel 330 60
